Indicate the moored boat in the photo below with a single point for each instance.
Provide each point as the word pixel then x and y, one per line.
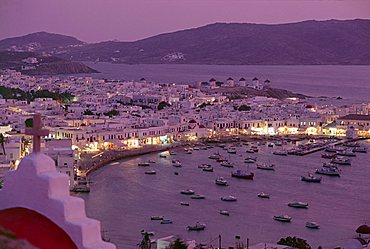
pixel 157 217
pixel 298 204
pixel 197 227
pixel 198 197
pixel 221 181
pixel 360 149
pixel 143 164
pixel 328 171
pixel 214 156
pixel 347 153
pixel 208 169
pixel 231 150
pixel 187 192
pixel 265 166
pixel 312 225
pixel 280 153
pixel 150 172
pixel 283 218
pixel 250 160
pixel 328 156
pixel 224 212
pixel 311 178
pixel 341 161
pixel 176 163
pixel 184 203
pixel 263 195
pixel 227 164
pixel 166 222
pixel 229 198
pixel 242 175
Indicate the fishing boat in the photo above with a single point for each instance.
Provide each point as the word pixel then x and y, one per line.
pixel 250 160
pixel 184 203
pixel 330 165
pixel 150 172
pixel 328 172
pixel 242 175
pixel 263 195
pixel 224 212
pixel 143 164
pixel 348 153
pixel 228 198
pixel 214 156
pixel 311 178
pixel 157 217
pixel 151 161
pixel 166 222
pixel 172 153
pixel 298 204
pixel 266 166
pixel 197 197
pixel 351 144
pixel 231 150
pixel 208 168
pixel 226 164
pixel 187 192
pixel 312 225
pixel 162 156
pixel 176 163
pixel 360 149
pixel 328 156
pixel 341 161
pixel 280 153
pixel 282 218
pixel 221 181
pixel 197 227
pixel 203 165
pixel 196 148
pixel 189 152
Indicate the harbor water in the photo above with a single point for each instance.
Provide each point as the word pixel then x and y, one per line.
pixel 124 198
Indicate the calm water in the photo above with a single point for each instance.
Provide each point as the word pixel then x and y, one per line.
pixel 124 198
pixel 345 81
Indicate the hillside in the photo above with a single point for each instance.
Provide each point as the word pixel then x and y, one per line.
pixel 43 64
pixel 304 43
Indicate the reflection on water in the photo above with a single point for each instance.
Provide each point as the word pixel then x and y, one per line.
pixel 124 198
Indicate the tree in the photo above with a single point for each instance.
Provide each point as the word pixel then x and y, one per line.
pixel 163 105
pixel 145 243
pixel 88 112
pixel 29 122
pixel 111 113
pixel 178 244
pixel 294 242
pixel 2 141
pixel 244 108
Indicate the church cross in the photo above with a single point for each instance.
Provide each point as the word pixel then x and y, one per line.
pixel 37 132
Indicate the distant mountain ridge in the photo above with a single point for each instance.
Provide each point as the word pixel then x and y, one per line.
pixel 304 43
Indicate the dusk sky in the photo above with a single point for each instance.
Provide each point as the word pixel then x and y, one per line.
pixel 126 20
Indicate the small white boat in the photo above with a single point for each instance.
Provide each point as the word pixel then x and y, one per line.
pixel 251 151
pixel 176 163
pixel 157 217
pixel 347 153
pixel 172 153
pixel 208 168
pixel 204 165
pixel 187 192
pixel 150 172
pixel 226 164
pixel 224 212
pixel 151 161
pixel 197 227
pixel 283 218
pixel 184 203
pixel 229 198
pixel 263 195
pixel 360 149
pixel 197 197
pixel 298 204
pixel 196 148
pixel 341 161
pixel 221 181
pixel 265 166
pixel 328 171
pixel 312 225
pixel 162 156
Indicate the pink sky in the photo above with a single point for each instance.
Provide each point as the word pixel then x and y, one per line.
pixel 127 20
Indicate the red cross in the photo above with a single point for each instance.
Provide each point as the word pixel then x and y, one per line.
pixel 37 132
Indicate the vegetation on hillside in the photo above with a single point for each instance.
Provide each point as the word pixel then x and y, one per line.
pixel 16 93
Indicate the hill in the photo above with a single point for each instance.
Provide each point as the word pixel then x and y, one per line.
pixel 303 43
